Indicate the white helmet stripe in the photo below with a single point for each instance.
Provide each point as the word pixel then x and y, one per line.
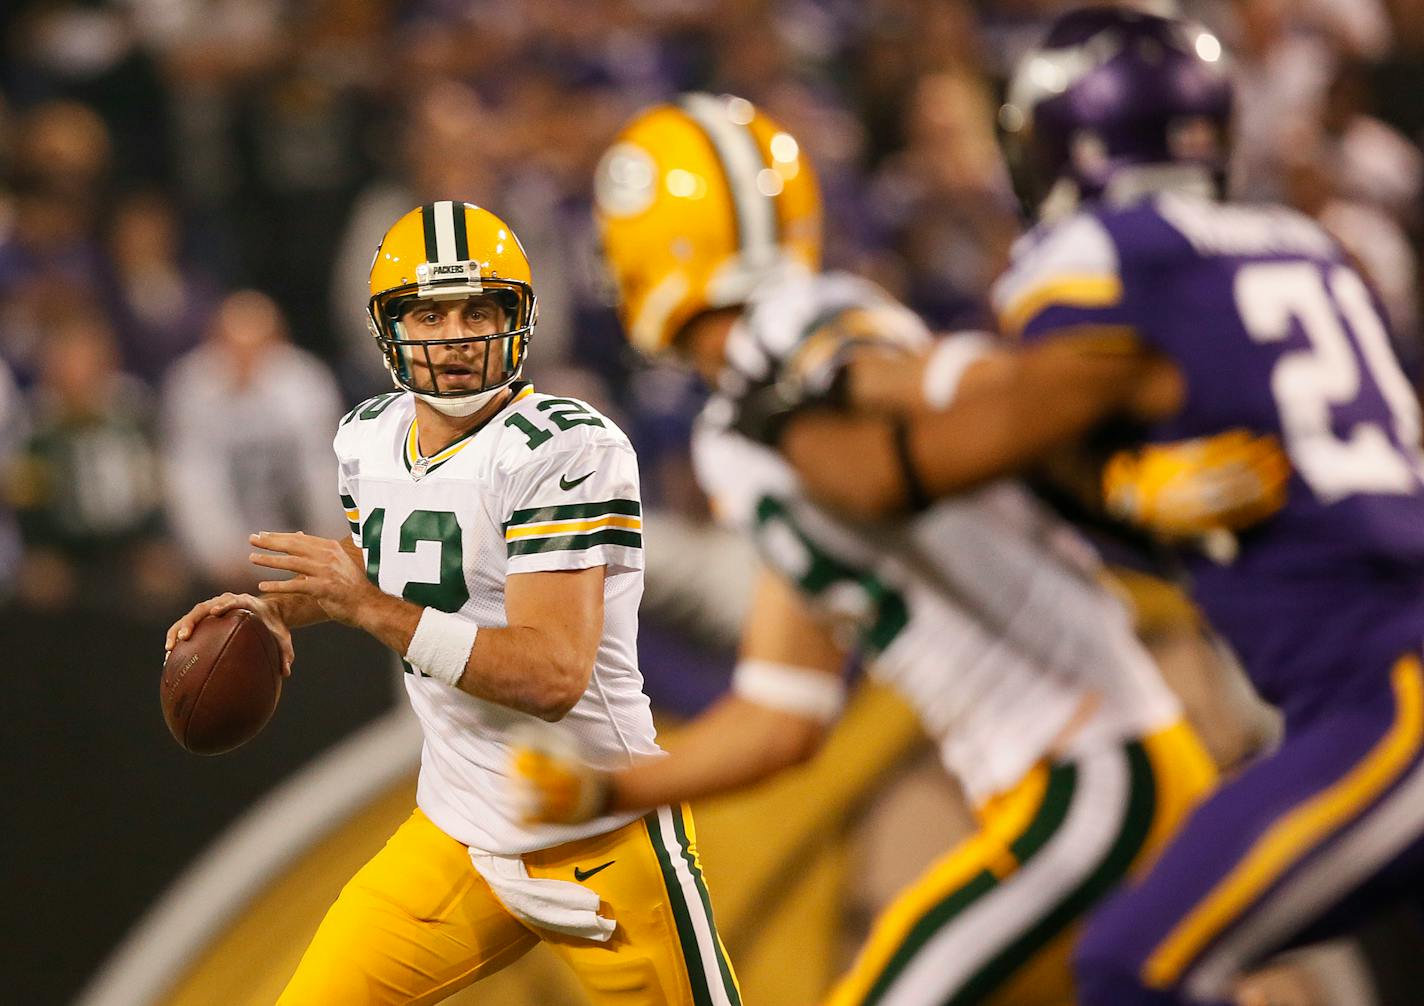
pixel 742 162
pixel 445 231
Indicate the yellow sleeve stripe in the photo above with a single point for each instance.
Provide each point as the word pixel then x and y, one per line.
pixel 1069 291
pixel 573 527
pixel 1297 834
pixel 353 515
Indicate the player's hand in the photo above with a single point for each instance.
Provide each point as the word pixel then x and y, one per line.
pixel 552 785
pixel 1190 488
pixel 325 571
pixel 261 606
pixel 764 410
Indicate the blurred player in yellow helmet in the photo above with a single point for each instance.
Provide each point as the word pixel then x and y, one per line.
pixel 701 203
pixel 496 546
pixel 986 613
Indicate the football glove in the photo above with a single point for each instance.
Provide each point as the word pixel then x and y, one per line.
pixel 1190 488
pixel 763 411
pixel 552 784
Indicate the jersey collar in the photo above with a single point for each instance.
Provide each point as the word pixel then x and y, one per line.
pixel 420 466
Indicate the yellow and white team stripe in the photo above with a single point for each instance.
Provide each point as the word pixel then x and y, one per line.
pixel 992 922
pixel 574 526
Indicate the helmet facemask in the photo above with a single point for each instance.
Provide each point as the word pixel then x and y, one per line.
pixel 455 375
pixel 452 256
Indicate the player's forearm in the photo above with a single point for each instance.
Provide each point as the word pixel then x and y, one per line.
pixel 391 620
pixel 1010 411
pixel 527 669
pixel 734 744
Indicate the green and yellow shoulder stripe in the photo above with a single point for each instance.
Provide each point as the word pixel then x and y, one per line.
pixel 574 527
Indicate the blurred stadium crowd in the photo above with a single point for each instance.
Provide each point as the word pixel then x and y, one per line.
pixel 190 192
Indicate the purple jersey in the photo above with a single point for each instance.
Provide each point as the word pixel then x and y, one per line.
pixel 1274 332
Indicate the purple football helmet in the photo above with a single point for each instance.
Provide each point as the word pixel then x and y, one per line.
pixel 1115 101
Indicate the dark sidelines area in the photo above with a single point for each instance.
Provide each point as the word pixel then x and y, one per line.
pixel 101 809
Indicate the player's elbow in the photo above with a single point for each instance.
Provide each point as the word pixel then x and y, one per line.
pixel 795 741
pixel 554 711
pixel 561 688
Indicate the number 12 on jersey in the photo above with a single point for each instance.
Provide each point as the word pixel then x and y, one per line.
pixel 1331 305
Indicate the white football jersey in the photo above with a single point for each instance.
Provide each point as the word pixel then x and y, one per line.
pixel 546 484
pixel 986 611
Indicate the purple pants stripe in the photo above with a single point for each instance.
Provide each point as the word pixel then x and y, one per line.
pixel 1300 844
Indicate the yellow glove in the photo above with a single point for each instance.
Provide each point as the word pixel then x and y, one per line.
pixel 552 784
pixel 1190 488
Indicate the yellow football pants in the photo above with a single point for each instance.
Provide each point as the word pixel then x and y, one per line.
pixel 417 922
pixel 993 920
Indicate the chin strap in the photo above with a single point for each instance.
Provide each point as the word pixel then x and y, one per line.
pixel 464 405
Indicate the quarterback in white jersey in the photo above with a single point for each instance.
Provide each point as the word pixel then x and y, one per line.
pixel 546 484
pixel 985 612
pixel 496 546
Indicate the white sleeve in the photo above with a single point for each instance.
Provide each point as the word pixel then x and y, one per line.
pixel 575 509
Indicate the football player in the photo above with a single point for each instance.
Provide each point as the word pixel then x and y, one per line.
pixel 987 613
pixel 496 546
pixel 1207 332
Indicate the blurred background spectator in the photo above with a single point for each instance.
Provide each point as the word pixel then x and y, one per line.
pixel 247 421
pixel 156 154
pixel 14 431
pixel 85 483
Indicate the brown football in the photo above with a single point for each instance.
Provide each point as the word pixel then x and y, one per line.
pixel 221 684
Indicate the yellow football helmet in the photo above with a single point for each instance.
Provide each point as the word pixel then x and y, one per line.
pixel 452 251
pixel 698 202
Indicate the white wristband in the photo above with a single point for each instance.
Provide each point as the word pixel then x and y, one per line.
pixel 801 691
pixel 947 363
pixel 441 646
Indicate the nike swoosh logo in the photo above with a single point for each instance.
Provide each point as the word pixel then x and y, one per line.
pixel 582 875
pixel 565 484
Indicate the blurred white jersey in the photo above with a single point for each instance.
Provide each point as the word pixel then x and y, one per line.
pixel 986 611
pixel 546 484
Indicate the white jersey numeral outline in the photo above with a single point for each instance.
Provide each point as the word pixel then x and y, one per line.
pixel 1306 383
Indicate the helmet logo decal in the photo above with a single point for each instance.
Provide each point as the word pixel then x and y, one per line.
pixel 625 182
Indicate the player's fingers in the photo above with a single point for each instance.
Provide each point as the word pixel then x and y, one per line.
pixel 284 643
pixel 295 542
pixel 296 585
pixel 183 628
pixel 291 563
